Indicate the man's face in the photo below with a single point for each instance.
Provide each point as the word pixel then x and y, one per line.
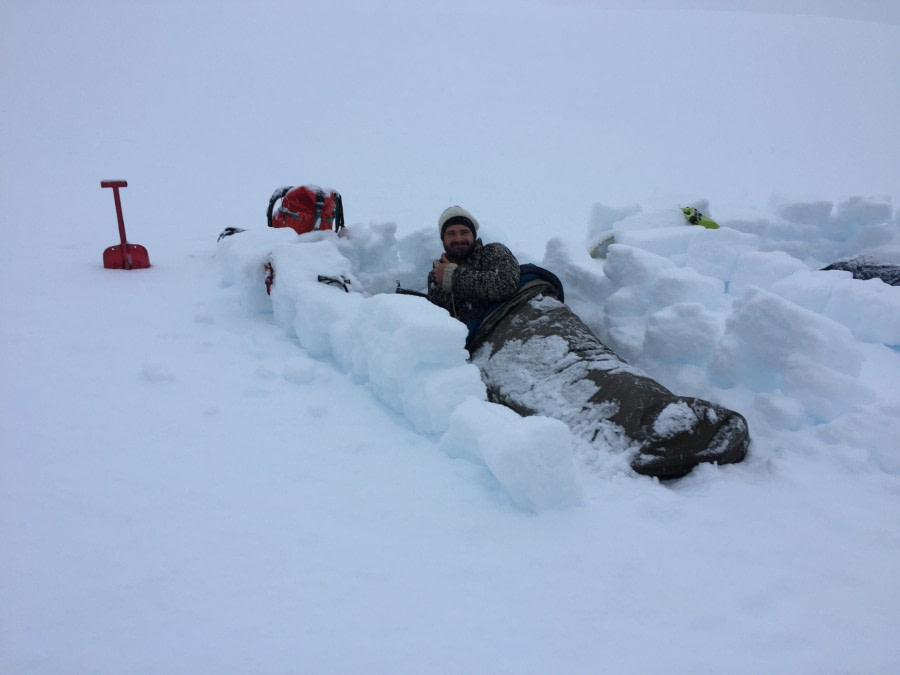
pixel 458 242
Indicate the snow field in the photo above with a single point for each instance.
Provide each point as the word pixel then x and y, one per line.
pixel 184 488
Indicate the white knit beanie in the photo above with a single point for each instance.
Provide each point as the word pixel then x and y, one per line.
pixel 459 215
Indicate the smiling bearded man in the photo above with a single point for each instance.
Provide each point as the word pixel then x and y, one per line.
pixel 470 276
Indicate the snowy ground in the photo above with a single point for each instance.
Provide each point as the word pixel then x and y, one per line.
pixel 196 477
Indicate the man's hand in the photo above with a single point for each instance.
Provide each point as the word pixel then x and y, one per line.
pixel 439 267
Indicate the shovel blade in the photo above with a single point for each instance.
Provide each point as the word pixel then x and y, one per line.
pixel 134 257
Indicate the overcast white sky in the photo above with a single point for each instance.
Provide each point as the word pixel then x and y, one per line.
pixel 515 109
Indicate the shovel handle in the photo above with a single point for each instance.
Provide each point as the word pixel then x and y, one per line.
pixel 115 185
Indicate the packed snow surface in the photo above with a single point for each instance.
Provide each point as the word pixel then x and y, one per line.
pixel 199 477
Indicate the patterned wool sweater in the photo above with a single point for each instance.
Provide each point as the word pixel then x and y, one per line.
pixel 489 274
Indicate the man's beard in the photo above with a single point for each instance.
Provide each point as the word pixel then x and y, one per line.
pixel 459 252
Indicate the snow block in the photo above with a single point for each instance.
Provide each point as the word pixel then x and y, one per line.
pixel 810 289
pixel 663 232
pixel 683 333
pixel 804 212
pixel 685 285
pixel 411 353
pixel 530 457
pixel 328 305
pixel 629 266
pixel 869 308
pixel 859 211
pixel 715 253
pixel 580 275
pixel 763 269
pixel 665 241
pixel 240 259
pixel 604 217
pixel 772 344
pixel 301 305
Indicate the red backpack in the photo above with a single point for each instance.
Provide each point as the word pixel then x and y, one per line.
pixel 306 208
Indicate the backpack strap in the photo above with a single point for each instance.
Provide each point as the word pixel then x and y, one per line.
pixel 338 211
pixel 320 204
pixel 278 194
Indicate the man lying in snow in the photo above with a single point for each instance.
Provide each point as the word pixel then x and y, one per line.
pixel 537 357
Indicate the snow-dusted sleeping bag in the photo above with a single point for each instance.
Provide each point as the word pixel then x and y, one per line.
pixel 537 357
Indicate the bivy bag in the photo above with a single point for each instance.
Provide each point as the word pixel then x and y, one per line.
pixel 538 357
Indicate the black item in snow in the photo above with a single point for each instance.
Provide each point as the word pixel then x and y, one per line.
pixel 342 282
pixel 228 231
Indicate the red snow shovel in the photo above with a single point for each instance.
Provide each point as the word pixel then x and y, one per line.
pixel 125 256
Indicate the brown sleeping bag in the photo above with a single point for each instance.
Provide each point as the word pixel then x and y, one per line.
pixel 538 358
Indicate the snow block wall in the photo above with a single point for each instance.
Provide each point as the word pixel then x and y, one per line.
pixel 406 351
pixel 743 314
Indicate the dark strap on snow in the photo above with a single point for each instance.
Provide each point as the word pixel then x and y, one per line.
pixel 342 282
pixel 406 291
pixel 278 194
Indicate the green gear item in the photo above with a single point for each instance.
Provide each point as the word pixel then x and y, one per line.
pixel 694 217
pixel 603 241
